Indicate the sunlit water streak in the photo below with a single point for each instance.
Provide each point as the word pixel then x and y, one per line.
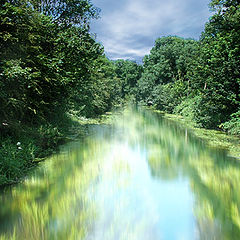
pixel 134 205
pixel 143 178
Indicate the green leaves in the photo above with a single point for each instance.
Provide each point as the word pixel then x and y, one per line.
pixel 199 77
pixel 67 12
pixel 217 70
pixel 43 64
pixel 169 62
pixel 129 73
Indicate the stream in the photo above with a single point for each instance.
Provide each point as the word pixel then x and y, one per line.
pixel 142 178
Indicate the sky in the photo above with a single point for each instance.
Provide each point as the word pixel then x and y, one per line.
pixel 128 28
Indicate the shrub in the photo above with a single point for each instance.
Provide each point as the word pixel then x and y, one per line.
pixel 16 158
pixel 169 95
pixel 188 108
pixel 233 125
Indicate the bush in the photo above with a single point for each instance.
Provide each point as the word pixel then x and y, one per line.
pixel 49 136
pixel 188 108
pixel 169 95
pixel 233 125
pixel 16 158
pixel 203 110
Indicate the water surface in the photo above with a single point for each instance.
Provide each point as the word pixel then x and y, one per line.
pixel 142 178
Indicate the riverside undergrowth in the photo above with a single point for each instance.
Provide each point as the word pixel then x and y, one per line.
pixel 214 138
pixel 23 146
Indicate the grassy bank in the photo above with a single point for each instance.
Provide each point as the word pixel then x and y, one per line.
pixel 214 138
pixel 23 146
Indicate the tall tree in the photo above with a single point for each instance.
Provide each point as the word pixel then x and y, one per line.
pixel 169 62
pixel 217 72
pixel 129 72
pixel 67 11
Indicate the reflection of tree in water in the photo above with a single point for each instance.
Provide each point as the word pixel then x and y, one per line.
pixel 217 189
pixel 53 202
pixel 214 178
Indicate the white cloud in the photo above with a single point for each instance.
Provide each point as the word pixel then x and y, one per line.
pixel 128 29
pixel 121 48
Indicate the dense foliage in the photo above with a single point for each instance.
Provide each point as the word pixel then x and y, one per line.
pixel 44 63
pixel 199 79
pixel 165 78
pixel 129 73
pixel 50 66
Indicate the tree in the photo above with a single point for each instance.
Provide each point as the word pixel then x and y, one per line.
pixel 129 72
pixel 168 63
pixel 217 75
pixel 67 12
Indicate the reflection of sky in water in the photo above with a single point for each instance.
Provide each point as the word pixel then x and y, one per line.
pixel 134 205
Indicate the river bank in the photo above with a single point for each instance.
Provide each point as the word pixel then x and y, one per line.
pixel 33 144
pixel 214 138
pixel 24 146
